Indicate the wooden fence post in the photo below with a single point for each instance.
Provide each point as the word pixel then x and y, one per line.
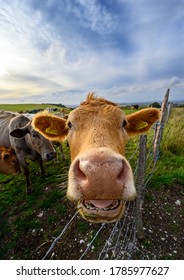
pixel 160 128
pixel 140 185
pixel 169 109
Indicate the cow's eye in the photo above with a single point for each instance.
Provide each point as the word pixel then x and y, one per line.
pixel 124 123
pixel 70 125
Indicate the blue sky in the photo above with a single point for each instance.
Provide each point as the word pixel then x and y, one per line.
pixel 56 51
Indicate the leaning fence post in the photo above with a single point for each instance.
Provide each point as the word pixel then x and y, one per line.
pixel 140 185
pixel 169 109
pixel 160 128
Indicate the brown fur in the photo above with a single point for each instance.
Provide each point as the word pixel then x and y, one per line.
pixel 8 161
pixel 92 99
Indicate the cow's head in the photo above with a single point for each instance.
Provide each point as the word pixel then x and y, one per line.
pixel 39 143
pixel 8 161
pixel 100 177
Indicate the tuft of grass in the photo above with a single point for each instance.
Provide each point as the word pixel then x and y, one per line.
pixel 147 243
pixel 82 226
pixel 169 171
pixel 51 200
pixel 173 137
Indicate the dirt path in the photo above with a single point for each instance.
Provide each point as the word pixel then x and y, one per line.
pixel 163 216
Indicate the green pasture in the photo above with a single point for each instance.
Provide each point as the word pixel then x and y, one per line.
pixel 26 107
pixel 170 166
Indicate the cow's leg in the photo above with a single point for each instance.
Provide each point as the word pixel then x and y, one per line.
pixel 60 147
pixel 24 167
pixel 61 150
pixel 56 160
pixel 40 162
pixel 29 187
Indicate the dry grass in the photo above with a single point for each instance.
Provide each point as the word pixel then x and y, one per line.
pixel 173 138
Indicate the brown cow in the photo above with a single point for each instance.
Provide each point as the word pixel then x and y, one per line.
pixel 8 161
pixel 100 177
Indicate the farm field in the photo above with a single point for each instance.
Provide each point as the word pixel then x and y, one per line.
pixel 29 224
pixel 25 107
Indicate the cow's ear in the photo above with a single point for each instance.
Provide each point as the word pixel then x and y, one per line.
pixel 141 121
pixel 6 157
pixel 50 126
pixel 19 132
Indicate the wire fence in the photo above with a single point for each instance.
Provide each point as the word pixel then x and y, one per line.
pixel 121 242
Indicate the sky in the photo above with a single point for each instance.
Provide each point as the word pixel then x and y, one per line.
pixel 56 51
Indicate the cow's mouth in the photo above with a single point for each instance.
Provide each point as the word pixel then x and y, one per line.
pixel 100 211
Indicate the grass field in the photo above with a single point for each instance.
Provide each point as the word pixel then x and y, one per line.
pixel 170 166
pixel 26 107
pixel 28 224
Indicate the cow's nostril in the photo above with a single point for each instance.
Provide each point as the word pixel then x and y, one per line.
pixel 80 171
pixel 51 155
pixel 121 174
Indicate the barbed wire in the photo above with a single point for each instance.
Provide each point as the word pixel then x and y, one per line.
pixel 60 235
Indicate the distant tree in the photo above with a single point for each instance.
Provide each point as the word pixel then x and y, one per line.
pixel 155 105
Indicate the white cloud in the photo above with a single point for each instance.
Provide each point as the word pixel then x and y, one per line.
pixel 174 81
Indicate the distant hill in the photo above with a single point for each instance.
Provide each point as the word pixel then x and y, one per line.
pixel 147 103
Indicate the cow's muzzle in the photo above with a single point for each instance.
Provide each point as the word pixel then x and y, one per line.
pixel 49 156
pixel 101 180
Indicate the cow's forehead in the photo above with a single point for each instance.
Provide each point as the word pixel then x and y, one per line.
pixel 33 131
pixel 109 111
